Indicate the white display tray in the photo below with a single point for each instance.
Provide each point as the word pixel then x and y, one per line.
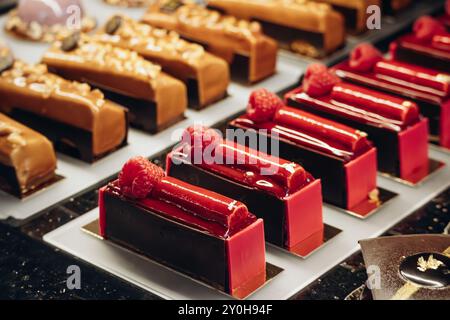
pixel 297 273
pixel 79 175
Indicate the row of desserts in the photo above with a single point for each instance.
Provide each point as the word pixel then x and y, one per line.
pixel 230 29
pixel 314 131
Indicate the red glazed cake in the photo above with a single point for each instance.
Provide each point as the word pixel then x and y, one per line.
pixel 428 88
pixel 427 46
pixel 393 124
pixel 281 192
pixel 192 230
pixel 340 156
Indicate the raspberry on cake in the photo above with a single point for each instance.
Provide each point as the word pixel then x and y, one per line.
pixel 281 192
pixel 197 232
pixel 343 158
pixel 428 88
pixel 427 46
pixel 394 124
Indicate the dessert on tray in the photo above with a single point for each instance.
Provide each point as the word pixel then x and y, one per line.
pixel 41 20
pixel 205 75
pixel 354 12
pixel 200 233
pixel 155 100
pixel 251 54
pixel 281 192
pixel 340 156
pixel 77 119
pixel 394 124
pixel 429 88
pixel 427 46
pixel 306 27
pixel 27 159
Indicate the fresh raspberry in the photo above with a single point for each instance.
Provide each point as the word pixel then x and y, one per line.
pixel 426 27
pixel 138 177
pixel 364 57
pixel 314 68
pixel 320 83
pixel 262 105
pixel 201 136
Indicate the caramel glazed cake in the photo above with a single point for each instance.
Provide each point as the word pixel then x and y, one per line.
pixel 76 118
pixel 27 159
pixel 306 27
pixel 155 99
pixel 205 75
pixel 251 54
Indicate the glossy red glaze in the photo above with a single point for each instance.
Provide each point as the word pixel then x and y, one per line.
pixel 441 42
pixel 403 111
pixel 418 83
pixel 411 43
pixel 252 168
pixel 363 105
pixel 197 207
pixel 327 144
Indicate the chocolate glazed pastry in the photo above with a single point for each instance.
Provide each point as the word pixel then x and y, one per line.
pixel 27 159
pixel 206 76
pixel 40 20
pixel 77 119
pixel 200 233
pixel 305 27
pixel 251 54
pixel 155 99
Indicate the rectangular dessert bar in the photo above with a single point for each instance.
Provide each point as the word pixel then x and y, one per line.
pixel 393 124
pixel 27 159
pixel 200 233
pixel 342 157
pixel 205 75
pixel 251 54
pixel 428 88
pixel 289 200
pixel 77 119
pixel 306 27
pixel 155 100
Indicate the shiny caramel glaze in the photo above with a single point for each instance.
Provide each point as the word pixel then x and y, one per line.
pixel 122 71
pixel 32 88
pixel 179 58
pixel 224 35
pixel 28 152
pixel 298 14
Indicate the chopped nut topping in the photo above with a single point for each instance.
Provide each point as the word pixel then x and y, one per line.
pixel 38 32
pixel 12 134
pixel 432 263
pixel 110 57
pixel 199 16
pixel 140 34
pixel 37 78
pixel 128 3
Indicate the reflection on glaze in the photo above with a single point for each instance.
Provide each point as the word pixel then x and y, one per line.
pixel 427 269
